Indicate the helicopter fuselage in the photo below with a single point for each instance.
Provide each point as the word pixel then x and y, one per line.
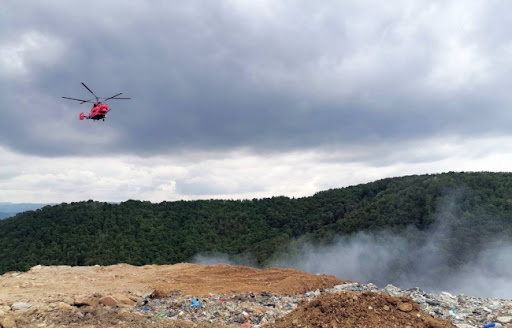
pixel 98 112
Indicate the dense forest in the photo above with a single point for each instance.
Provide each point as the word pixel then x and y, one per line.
pixel 478 205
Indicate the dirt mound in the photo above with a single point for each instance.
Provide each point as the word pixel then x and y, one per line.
pixel 359 310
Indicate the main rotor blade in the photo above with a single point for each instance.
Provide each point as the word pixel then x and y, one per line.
pixel 112 97
pixel 116 97
pixel 90 91
pixel 83 101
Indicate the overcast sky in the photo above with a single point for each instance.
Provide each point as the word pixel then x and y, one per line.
pixel 242 99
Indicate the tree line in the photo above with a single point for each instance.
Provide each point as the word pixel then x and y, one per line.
pixel 477 204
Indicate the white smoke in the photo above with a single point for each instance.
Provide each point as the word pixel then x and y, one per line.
pixel 377 258
pixel 489 276
pixel 411 258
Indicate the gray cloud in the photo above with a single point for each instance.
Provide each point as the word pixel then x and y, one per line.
pixel 269 78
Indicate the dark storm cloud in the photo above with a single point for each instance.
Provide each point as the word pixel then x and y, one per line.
pixel 222 75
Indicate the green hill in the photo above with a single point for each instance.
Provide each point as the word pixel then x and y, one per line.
pixel 477 205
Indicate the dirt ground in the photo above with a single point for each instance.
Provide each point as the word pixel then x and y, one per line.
pixel 60 296
pixel 52 283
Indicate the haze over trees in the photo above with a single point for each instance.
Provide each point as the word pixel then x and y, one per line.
pixel 10 209
pixel 4 215
pixel 478 207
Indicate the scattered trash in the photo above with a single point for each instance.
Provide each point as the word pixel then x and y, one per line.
pixel 195 303
pixel 257 309
pixel 491 325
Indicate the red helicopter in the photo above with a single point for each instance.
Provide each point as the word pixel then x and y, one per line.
pixel 99 108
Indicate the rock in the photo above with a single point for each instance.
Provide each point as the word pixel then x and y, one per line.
pixel 67 299
pixel 20 306
pixel 109 301
pixel 63 306
pixel 405 307
pixel 85 301
pixel 125 300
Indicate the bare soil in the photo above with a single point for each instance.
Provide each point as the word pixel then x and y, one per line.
pixel 50 283
pixel 359 310
pixel 64 296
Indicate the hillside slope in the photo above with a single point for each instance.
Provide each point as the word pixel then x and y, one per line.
pixel 478 206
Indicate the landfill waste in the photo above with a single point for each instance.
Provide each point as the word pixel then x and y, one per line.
pixel 492 324
pixel 463 311
pixel 257 309
pixel 195 303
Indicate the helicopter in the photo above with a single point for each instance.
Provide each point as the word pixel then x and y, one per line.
pixel 99 108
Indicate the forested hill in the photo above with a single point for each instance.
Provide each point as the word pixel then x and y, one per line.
pixel 478 205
